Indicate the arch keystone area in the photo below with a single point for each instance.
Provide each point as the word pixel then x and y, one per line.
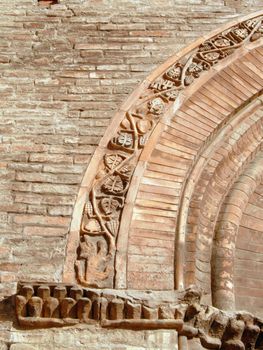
pixel 173 197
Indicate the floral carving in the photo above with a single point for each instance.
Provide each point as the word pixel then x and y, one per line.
pixel 211 56
pixel 156 106
pixel 162 84
pixel 209 53
pixel 114 185
pixel 125 140
pixel 125 171
pixel 251 23
pixel 174 72
pixel 113 160
pixel 171 95
pixel 222 42
pixel 101 215
pixel 242 33
pixel 195 69
pixel 105 202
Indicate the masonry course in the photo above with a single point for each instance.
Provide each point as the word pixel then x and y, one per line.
pixel 65 70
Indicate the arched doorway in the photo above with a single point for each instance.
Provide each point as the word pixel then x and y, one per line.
pixel 160 197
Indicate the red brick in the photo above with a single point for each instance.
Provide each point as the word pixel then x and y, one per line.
pixel 41 220
pixel 44 231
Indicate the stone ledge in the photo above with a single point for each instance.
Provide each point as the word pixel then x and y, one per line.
pixel 54 305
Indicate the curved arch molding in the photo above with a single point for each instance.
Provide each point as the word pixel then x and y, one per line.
pixel 226 234
pixel 173 197
pixel 150 208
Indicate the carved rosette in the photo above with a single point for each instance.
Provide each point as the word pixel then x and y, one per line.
pixel 106 199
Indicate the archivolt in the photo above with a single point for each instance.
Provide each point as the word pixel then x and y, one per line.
pixel 225 173
pixel 187 132
pixel 226 234
pixel 194 207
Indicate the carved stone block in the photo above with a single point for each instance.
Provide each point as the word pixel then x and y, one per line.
pixel 60 305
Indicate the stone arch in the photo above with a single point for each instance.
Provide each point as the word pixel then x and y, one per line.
pixel 226 162
pixel 226 234
pixel 146 183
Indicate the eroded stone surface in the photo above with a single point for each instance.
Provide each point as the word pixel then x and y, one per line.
pixel 65 69
pixel 41 306
pixel 106 200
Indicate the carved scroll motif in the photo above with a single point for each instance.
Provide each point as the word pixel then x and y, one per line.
pixel 101 216
pixel 106 199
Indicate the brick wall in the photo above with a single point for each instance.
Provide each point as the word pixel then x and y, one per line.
pixel 64 72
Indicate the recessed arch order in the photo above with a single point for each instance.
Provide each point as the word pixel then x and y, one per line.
pixel 155 202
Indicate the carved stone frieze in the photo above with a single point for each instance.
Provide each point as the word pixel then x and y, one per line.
pixel 43 305
pixel 212 51
pixel 103 208
pixel 100 224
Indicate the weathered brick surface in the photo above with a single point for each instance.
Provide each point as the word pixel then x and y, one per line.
pixel 64 72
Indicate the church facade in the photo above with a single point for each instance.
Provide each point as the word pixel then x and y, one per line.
pixel 132 178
